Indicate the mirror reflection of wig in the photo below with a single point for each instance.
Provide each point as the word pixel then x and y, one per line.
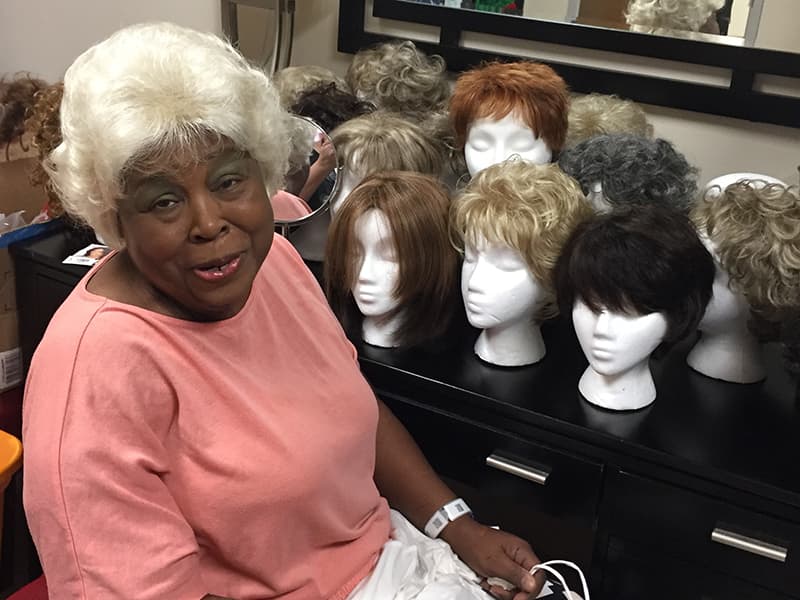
pixel 329 106
pixel 383 141
pixel 651 16
pixel 530 208
pixel 755 229
pixel 168 114
pixel 599 114
pixel 532 91
pixel 397 76
pixel 44 125
pixel 416 208
pixel 291 82
pixel 639 262
pixel 632 170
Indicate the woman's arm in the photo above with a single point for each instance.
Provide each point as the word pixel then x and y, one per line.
pixel 406 479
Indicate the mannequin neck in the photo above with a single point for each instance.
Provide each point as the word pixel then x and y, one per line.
pixel 381 332
pixel 626 391
pixel 733 355
pixel 511 345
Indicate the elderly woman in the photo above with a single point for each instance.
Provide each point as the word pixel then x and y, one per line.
pixel 195 422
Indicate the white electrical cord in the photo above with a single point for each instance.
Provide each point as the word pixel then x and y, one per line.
pixel 547 567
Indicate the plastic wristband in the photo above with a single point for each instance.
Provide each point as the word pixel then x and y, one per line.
pixel 449 512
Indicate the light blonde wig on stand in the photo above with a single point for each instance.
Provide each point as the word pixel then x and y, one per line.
pixel 292 82
pixel 755 229
pixel 397 76
pixel 652 16
pixel 416 208
pixel 530 208
pixel 156 98
pixel 383 141
pixel 598 114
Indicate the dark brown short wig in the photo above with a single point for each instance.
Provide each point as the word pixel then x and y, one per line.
pixel 638 261
pixel 530 90
pixel 329 106
pixel 416 207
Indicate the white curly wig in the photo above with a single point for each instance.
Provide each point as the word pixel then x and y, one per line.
pixel 153 92
pixel 652 16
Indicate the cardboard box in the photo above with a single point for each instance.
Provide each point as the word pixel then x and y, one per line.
pixel 16 193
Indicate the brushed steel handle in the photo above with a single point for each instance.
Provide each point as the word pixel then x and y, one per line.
pixel 748 544
pixel 517 469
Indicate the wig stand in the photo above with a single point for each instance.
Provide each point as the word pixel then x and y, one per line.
pixel 630 390
pixel 512 345
pixel 381 332
pixel 734 356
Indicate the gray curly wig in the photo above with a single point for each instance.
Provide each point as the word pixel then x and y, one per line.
pixel 633 170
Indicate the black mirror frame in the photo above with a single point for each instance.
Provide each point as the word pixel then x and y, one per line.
pixel 739 100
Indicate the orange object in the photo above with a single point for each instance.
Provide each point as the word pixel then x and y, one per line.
pixel 10 460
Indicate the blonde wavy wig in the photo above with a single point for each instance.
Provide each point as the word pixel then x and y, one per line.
pixel 755 229
pixel 598 114
pixel 397 76
pixel 530 208
pixel 652 16
pixel 155 97
pixel 382 141
pixel 293 82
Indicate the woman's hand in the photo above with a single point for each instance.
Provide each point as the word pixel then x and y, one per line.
pixel 493 553
pixel 327 154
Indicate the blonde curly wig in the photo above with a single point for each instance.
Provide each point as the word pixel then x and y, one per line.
pixel 398 77
pixel 652 16
pixel 598 114
pixel 530 208
pixel 755 229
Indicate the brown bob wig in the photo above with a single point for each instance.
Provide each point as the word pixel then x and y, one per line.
pixel 416 207
pixel 532 91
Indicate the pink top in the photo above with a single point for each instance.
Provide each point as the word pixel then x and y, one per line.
pixel 288 207
pixel 172 459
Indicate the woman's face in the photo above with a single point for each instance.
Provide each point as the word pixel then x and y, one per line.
pixel 198 238
pixel 497 286
pixel 616 342
pixel 378 274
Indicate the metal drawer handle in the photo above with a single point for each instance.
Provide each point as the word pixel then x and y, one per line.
pixel 748 544
pixel 518 469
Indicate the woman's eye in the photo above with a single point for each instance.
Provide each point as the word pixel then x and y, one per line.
pixel 164 203
pixel 229 182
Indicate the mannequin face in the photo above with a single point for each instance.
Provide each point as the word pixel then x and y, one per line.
pixel 616 342
pixel 727 307
pixel 348 180
pixel 597 199
pixel 491 141
pixel 380 269
pixel 497 286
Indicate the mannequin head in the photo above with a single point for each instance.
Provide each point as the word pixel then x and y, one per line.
pixel 636 263
pixel 523 214
pixel 619 170
pixel 716 187
pixel 379 142
pixel 402 211
pixel 653 16
pixel 329 106
pixel 598 114
pixel 754 228
pixel 291 82
pixel 530 100
pixel 396 76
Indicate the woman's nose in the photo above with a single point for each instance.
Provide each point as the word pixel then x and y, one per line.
pixel 208 221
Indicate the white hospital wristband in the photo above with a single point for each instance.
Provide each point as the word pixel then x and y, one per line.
pixel 449 512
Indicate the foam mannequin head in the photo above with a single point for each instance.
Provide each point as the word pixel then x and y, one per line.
pixel 491 141
pixel 716 187
pixel 532 94
pixel 511 222
pixel 635 270
pixel 377 281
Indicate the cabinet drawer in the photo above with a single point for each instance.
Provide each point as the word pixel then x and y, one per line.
pixel 545 496
pixel 742 543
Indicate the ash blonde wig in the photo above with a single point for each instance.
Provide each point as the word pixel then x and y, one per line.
pixel 398 77
pixel 755 229
pixel 530 208
pixel 383 141
pixel 292 82
pixel 599 114
pixel 652 16
pixel 532 91
pixel 416 208
pixel 148 99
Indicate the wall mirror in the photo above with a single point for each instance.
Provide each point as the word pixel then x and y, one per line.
pixel 730 75
pixel 311 180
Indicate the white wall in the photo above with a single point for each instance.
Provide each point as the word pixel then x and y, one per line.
pixel 778 28
pixel 716 145
pixel 45 36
